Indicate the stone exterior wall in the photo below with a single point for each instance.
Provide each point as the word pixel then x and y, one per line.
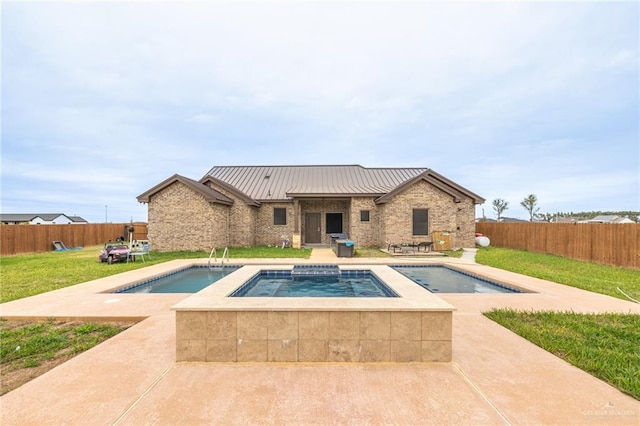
pixel 465 235
pixel 242 221
pixel 323 207
pixel 397 216
pixel 181 219
pixel 365 234
pixel 267 232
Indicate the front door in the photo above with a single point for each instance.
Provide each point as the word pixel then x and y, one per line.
pixel 312 228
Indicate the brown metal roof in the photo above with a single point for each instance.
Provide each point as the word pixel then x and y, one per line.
pixel 211 195
pixel 266 183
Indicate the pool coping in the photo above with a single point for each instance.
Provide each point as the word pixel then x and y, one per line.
pixel 412 296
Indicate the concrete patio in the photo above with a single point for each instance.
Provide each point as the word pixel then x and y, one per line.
pixel 495 377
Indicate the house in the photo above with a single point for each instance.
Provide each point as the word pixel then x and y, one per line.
pixel 610 219
pixel 39 219
pixel 262 205
pixel 512 220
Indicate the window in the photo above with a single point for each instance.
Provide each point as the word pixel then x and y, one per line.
pixel 279 216
pixel 334 223
pixel 420 222
pixel 364 215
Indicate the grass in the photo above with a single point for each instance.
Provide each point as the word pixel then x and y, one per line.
pixel 604 345
pixel 29 349
pixel 267 252
pixel 370 252
pixel 31 274
pixel 587 276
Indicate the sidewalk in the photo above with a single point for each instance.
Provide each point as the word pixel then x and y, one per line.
pixel 323 255
pixel 496 377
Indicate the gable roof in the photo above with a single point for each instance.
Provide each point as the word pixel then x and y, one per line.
pixel 28 217
pixel 211 195
pixel 244 197
pixel 18 217
pixel 456 191
pixel 272 183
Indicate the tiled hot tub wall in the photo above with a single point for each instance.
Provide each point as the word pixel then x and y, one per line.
pixel 313 336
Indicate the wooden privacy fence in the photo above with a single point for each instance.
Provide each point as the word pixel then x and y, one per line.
pixel 16 239
pixel 605 243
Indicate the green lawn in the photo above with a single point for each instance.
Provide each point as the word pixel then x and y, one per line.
pixel 604 345
pixel 587 276
pixel 31 274
pixel 29 349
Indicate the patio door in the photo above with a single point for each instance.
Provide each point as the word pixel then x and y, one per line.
pixel 312 233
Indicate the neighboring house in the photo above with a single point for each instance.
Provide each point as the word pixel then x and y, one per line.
pixel 39 219
pixel 259 205
pixel 610 219
pixel 485 219
pixel 502 220
pixel 77 220
pixel 512 220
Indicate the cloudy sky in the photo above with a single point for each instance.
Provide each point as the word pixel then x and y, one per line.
pixel 103 100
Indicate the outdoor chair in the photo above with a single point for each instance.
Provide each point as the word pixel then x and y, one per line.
pixel 427 245
pixel 141 252
pixel 394 247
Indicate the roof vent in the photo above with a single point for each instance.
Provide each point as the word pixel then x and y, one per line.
pixel 267 176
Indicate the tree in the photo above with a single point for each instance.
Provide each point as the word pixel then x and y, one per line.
pixel 530 204
pixel 547 217
pixel 500 205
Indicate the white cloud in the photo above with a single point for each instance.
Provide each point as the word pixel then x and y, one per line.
pixel 509 97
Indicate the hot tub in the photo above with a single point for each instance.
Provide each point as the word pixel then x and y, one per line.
pixel 211 326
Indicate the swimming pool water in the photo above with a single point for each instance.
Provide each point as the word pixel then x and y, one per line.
pixel 281 284
pixel 440 279
pixel 189 280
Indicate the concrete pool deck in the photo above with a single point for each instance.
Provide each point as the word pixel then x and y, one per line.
pixel 495 377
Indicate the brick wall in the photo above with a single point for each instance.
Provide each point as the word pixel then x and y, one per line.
pixel 397 216
pixel 181 219
pixel 242 222
pixel 366 234
pixel 267 232
pixel 465 231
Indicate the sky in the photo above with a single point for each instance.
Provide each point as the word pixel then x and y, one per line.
pixel 101 101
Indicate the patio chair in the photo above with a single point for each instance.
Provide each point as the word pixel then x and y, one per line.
pixel 142 252
pixel 427 245
pixel 394 247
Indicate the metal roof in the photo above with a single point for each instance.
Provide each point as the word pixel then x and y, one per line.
pixel 266 183
pixel 211 195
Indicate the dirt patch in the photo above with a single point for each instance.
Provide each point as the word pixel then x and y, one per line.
pixel 14 374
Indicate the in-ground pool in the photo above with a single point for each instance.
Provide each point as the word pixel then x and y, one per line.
pixel 442 279
pixel 314 282
pixel 190 280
